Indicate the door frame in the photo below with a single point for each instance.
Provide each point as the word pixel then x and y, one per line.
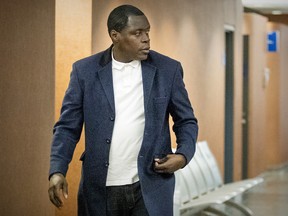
pixel 229 105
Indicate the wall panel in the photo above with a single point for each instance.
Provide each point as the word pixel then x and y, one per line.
pixel 27 105
pixel 255 27
pixel 283 93
pixel 277 104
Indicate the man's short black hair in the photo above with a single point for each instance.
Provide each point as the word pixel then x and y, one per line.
pixel 118 17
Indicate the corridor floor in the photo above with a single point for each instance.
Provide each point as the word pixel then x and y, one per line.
pixel 269 198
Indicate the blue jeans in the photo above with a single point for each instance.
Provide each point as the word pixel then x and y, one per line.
pixel 125 200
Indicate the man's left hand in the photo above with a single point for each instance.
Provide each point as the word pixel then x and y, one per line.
pixel 169 164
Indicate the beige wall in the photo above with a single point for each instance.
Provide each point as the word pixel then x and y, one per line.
pixel 273 105
pixel 255 27
pixel 283 97
pixel 268 102
pixel 73 42
pixel 27 105
pixel 277 99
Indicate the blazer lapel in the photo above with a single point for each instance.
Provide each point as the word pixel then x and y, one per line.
pixel 148 73
pixel 106 79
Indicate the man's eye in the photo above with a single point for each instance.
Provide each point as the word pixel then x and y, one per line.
pixel 138 33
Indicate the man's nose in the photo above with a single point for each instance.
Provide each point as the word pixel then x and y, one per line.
pixel 146 37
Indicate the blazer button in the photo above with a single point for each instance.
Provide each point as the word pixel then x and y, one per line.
pixel 108 141
pixel 106 164
pixel 112 118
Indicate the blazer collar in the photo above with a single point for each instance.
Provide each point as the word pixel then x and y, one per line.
pixel 106 57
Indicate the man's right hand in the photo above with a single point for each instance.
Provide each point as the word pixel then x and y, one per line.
pixel 57 186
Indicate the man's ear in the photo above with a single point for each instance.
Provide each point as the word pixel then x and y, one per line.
pixel 114 35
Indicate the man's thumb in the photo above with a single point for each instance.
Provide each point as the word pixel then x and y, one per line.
pixel 65 190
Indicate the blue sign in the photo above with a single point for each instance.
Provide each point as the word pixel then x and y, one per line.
pixel 272 41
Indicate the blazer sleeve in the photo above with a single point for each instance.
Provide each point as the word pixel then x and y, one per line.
pixel 185 123
pixel 67 130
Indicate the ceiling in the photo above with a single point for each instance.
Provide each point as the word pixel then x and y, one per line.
pixel 267 6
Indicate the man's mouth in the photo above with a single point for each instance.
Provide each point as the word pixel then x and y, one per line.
pixel 146 50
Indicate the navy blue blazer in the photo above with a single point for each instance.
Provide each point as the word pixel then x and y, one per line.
pixel 89 101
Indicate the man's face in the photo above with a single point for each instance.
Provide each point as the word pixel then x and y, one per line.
pixel 133 42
